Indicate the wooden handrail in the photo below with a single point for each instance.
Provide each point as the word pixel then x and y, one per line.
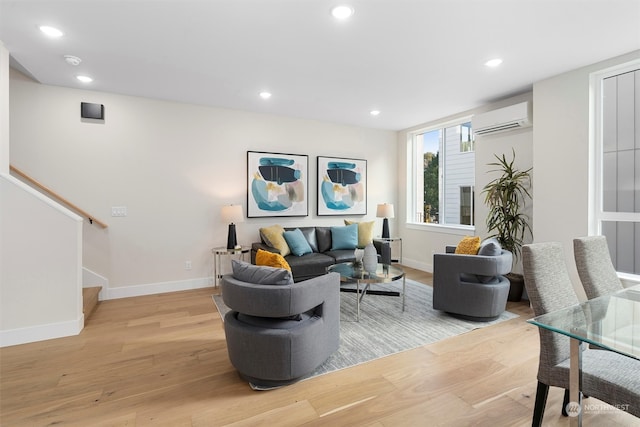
pixel 92 219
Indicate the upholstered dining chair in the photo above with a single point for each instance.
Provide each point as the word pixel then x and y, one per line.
pixel 596 271
pixel 606 375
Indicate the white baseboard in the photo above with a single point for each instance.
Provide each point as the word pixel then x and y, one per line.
pixel 417 265
pixel 158 288
pixel 41 332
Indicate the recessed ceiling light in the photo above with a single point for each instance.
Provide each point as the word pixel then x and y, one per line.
pixel 265 95
pixel 51 31
pixel 342 12
pixel 72 60
pixel 84 79
pixel 374 112
pixel 493 62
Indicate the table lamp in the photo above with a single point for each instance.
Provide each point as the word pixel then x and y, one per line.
pixel 385 210
pixel 232 214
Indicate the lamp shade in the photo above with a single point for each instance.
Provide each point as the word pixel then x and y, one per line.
pixel 385 210
pixel 232 214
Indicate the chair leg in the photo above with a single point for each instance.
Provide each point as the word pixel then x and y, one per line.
pixel 541 401
pixel 565 402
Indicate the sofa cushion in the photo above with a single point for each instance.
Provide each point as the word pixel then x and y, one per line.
pixel 260 275
pixel 342 255
pixel 297 243
pixel 309 265
pixel 310 235
pixel 490 247
pixel 365 231
pixel 344 237
pixel 323 235
pixel 468 245
pixel 271 259
pixel 273 236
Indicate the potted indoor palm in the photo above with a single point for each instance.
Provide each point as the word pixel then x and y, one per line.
pixel 505 196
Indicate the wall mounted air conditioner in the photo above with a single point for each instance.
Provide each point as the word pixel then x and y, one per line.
pixel 503 119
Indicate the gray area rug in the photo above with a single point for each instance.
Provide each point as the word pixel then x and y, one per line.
pixel 384 329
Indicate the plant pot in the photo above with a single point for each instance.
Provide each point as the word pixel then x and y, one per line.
pixel 516 288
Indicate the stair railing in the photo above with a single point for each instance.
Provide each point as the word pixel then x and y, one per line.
pixel 92 219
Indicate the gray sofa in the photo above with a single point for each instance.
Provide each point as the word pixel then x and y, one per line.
pixel 472 286
pixel 316 263
pixel 279 333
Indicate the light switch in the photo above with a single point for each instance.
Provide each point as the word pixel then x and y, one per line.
pixel 118 211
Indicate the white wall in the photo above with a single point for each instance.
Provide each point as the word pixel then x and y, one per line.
pixel 173 166
pixel 420 242
pixel 41 260
pixel 40 253
pixel 561 157
pixel 4 109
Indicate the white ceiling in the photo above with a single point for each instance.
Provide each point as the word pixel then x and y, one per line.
pixel 413 60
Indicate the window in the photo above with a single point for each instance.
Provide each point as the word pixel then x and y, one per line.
pixel 443 175
pixel 466 138
pixel 616 190
pixel 466 205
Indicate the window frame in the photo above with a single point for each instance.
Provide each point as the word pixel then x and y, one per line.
pixel 597 215
pixel 415 179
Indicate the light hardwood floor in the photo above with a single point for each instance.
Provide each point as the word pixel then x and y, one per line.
pixel 161 360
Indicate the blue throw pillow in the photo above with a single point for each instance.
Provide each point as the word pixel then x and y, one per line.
pixel 344 237
pixel 297 242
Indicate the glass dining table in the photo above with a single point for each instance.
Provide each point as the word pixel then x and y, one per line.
pixel 611 322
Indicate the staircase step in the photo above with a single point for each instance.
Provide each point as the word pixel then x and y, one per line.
pixel 90 301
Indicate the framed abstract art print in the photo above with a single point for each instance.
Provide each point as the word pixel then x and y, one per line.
pixel 277 184
pixel 342 186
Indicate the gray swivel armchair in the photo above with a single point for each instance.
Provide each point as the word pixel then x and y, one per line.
pixel 279 333
pixel 471 286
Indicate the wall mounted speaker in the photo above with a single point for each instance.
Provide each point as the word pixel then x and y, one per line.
pixel 91 111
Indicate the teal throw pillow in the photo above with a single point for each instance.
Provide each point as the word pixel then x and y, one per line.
pixel 344 237
pixel 297 242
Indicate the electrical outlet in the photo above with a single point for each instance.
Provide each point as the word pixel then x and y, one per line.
pixel 187 265
pixel 118 211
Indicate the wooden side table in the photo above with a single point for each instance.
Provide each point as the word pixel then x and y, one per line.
pixel 392 242
pixel 217 259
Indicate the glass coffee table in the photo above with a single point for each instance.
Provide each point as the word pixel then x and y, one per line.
pixel 383 273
